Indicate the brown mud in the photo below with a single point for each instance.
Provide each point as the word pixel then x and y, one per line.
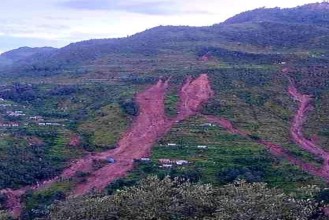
pixel 152 124
pixel 308 145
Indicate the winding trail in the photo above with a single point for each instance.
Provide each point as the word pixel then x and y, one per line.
pixel 305 105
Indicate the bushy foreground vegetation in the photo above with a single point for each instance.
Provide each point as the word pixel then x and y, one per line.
pixel 176 199
pixel 88 88
pixel 4 215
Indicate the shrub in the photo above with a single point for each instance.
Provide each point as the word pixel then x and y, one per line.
pixel 172 199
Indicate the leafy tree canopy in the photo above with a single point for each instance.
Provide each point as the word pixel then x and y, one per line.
pixel 171 199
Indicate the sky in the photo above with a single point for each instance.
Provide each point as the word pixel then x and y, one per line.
pixel 56 23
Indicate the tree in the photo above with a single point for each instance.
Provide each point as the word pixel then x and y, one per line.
pixel 256 201
pixel 171 199
pixel 4 215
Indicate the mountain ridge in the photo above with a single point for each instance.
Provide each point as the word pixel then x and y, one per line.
pixel 303 28
pixel 308 14
pixel 88 113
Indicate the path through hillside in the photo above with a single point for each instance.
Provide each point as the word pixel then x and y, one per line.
pixel 305 105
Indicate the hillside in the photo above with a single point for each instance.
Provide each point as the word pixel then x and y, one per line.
pixel 310 14
pixel 25 52
pixel 261 31
pixel 13 56
pixel 243 99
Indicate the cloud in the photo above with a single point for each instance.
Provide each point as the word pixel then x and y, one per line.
pixel 25 29
pixel 92 5
pixel 141 7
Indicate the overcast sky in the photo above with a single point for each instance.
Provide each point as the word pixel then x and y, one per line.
pixel 56 23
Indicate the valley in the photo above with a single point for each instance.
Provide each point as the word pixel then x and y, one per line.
pixel 246 99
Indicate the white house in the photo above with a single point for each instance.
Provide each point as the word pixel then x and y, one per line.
pixel 167 166
pixel 5 105
pixel 202 147
pixel 207 125
pixel 36 118
pixel 15 113
pixel 9 124
pixel 165 161
pixel 181 162
pixel 145 159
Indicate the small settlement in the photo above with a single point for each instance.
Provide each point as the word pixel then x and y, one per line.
pixel 168 163
pixel 164 163
pixel 6 110
pixel 15 113
pixel 9 124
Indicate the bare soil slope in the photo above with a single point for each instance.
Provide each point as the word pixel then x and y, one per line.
pixel 152 123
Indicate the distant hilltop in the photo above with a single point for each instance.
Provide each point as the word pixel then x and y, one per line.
pixel 318 6
pixel 263 35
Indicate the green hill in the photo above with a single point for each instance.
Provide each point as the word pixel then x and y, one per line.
pixel 76 101
pixel 300 32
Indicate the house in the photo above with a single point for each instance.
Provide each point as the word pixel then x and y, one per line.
pixel 202 147
pixel 145 159
pixel 181 162
pixel 9 125
pixel 207 125
pixel 52 124
pixel 171 162
pixel 36 118
pixel 13 124
pixel 171 144
pixel 48 124
pixel 163 161
pixel 5 105
pixel 15 113
pixel 166 165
